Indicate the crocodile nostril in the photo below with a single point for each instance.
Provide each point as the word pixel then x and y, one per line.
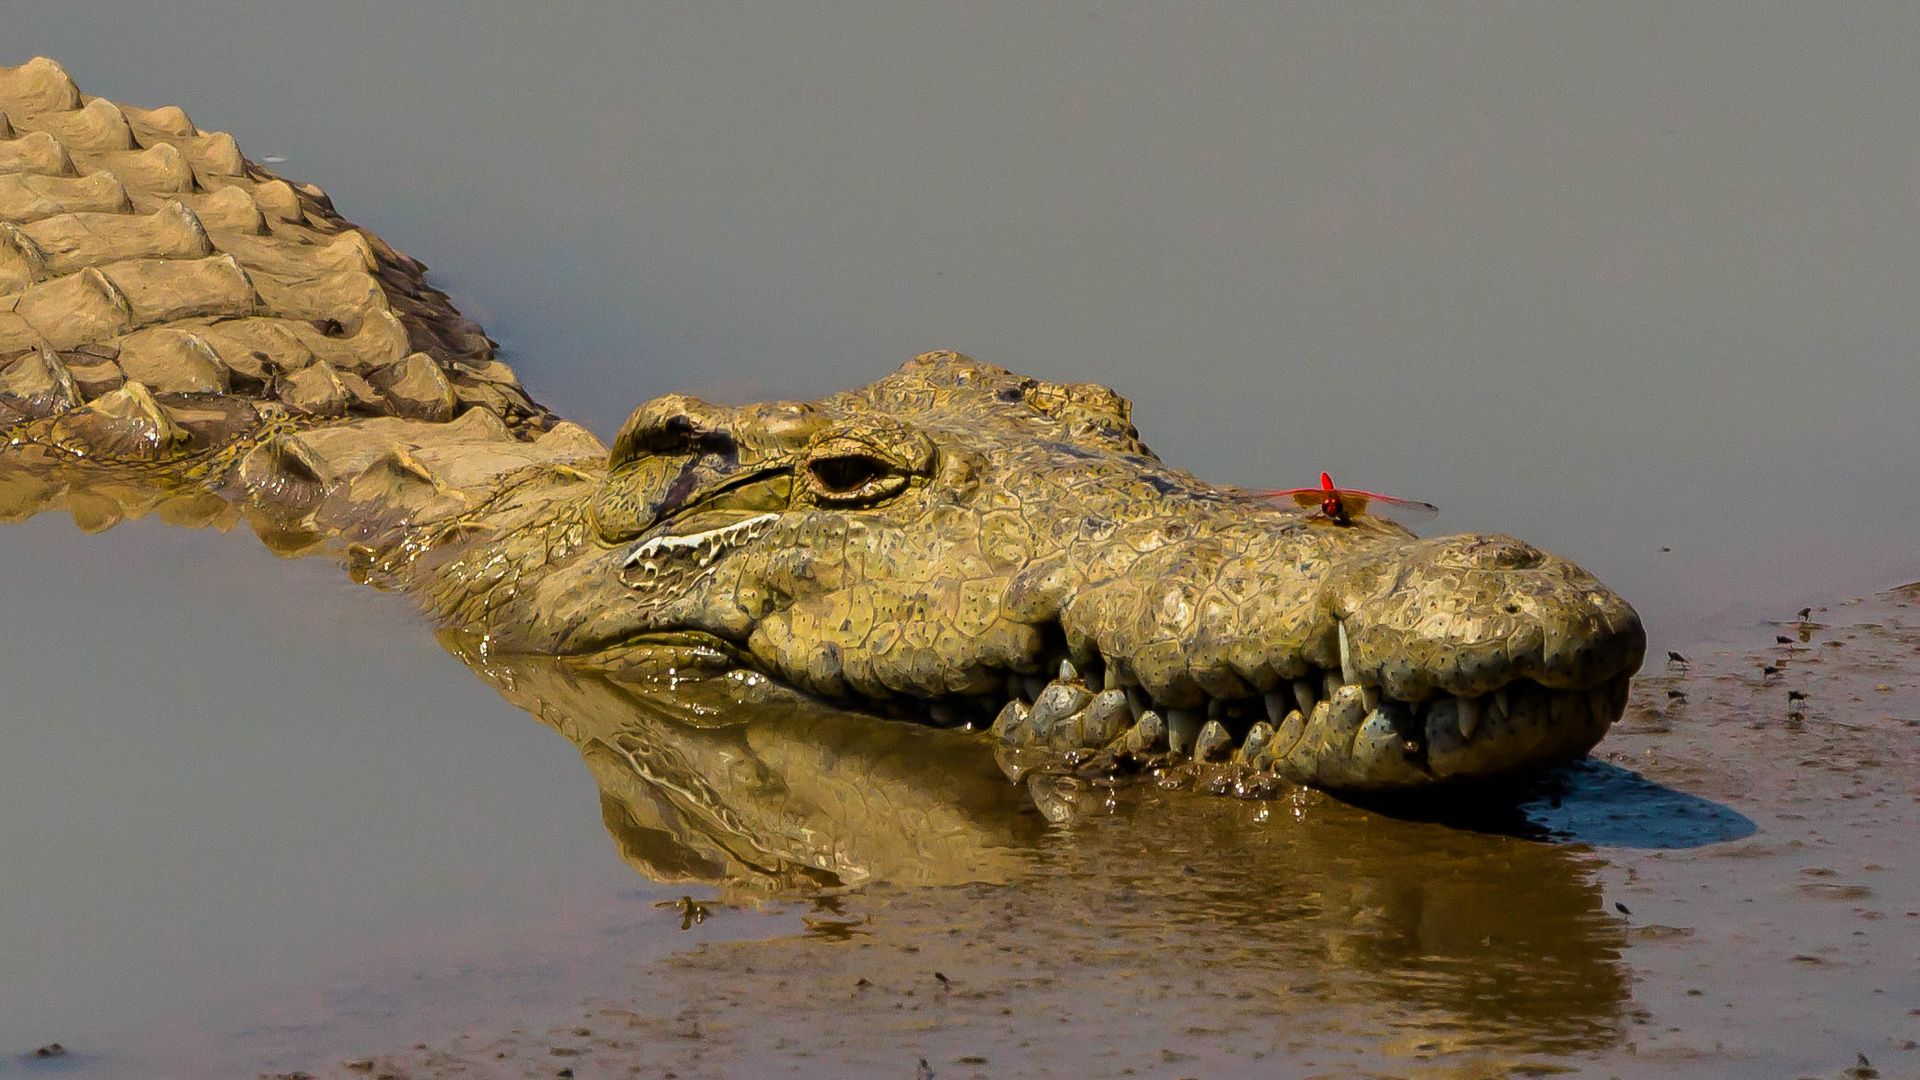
pixel 1493 553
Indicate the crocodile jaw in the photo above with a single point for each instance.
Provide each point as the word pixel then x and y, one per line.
pixel 1316 730
pixel 1382 663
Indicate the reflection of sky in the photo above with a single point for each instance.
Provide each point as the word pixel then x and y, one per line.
pixel 1608 281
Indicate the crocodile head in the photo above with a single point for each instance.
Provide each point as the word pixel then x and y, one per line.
pixel 941 540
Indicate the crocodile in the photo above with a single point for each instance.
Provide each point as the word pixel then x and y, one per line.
pixel 185 333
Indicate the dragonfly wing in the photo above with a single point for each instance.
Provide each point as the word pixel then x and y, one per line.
pixel 1309 497
pixel 1395 508
pixel 1355 502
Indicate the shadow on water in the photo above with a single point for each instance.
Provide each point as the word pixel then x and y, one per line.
pixel 55 1061
pixel 1594 802
pixel 1586 802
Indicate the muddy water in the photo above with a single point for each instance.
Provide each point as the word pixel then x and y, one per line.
pixel 1727 890
pixel 1636 287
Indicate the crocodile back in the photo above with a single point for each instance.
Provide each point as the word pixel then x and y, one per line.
pixel 167 303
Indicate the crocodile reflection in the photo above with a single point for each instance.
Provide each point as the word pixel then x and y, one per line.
pixel 699 786
pixel 1467 938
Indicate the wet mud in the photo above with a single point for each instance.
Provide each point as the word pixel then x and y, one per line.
pixel 1727 888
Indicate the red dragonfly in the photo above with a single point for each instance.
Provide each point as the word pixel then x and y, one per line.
pixel 1342 505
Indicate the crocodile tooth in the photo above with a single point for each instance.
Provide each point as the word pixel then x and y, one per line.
pixel 1304 696
pixel 1493 709
pixel 1316 732
pixel 1148 734
pixel 1346 713
pixel 1011 725
pixel 1067 671
pixel 1258 736
pixel 1376 729
pixel 1112 680
pixel 1369 697
pixel 1469 718
pixel 1055 704
pixel 1277 704
pixel 1183 727
pixel 1212 743
pixel 1347 670
pixel 1105 718
pixel 1500 699
pixel 1288 734
pixel 1136 702
pixel 1091 674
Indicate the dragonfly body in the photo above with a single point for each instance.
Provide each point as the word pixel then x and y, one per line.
pixel 1341 505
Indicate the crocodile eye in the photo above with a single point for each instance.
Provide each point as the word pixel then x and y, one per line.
pixel 853 477
pixel 846 473
pixel 859 467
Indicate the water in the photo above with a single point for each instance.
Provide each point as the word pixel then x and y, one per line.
pixel 1614 281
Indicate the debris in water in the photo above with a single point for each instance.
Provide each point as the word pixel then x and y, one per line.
pixel 691 911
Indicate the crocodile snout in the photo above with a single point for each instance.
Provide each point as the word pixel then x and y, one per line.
pixel 1389 662
pixel 1464 615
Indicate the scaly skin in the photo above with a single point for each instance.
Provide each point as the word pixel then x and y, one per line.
pixel 954 543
